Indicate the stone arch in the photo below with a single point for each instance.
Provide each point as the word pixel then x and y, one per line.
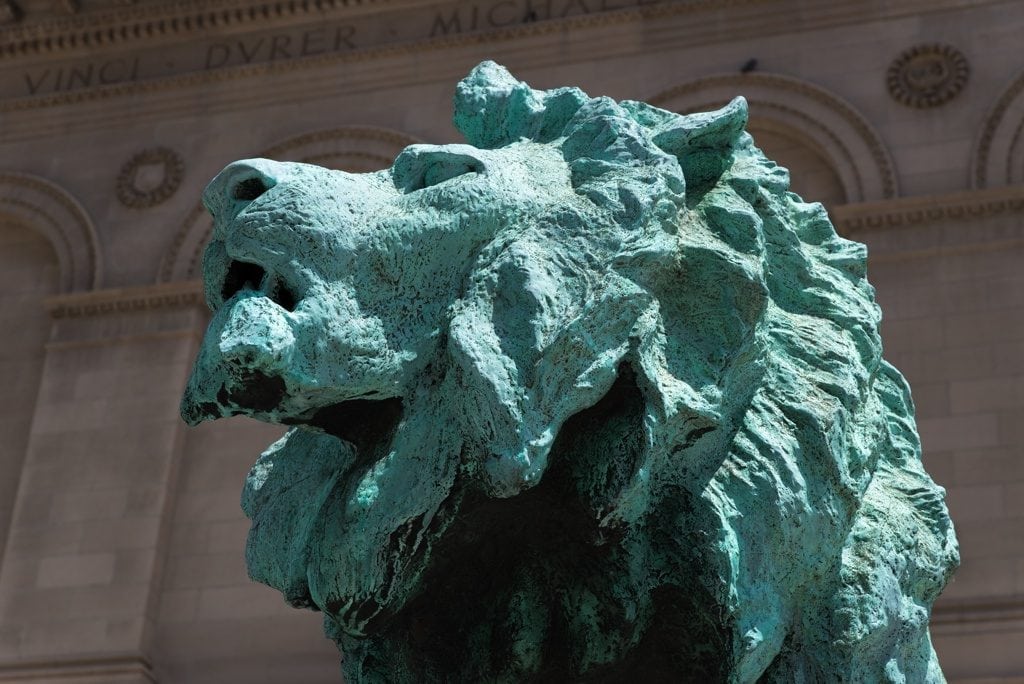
pixel 812 173
pixel 48 208
pixel 351 148
pixel 998 157
pixel 824 125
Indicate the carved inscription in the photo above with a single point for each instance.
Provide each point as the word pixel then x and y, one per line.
pixel 469 17
pixel 316 41
pixel 408 26
pixel 216 55
pixel 83 75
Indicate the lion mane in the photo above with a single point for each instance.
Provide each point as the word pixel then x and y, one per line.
pixel 590 398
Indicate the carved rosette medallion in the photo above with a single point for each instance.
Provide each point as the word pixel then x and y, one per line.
pixel 927 75
pixel 149 178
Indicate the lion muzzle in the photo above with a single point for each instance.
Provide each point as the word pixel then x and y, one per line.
pixel 242 361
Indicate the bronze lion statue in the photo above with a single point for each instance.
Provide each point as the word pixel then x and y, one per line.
pixel 592 398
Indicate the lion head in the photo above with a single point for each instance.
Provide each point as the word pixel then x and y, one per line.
pixel 592 395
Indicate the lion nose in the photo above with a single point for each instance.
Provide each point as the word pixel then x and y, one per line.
pixel 242 361
pixel 255 334
pixel 238 185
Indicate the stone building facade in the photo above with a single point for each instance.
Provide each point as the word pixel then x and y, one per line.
pixel 121 537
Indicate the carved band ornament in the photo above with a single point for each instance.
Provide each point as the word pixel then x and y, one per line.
pixel 147 48
pixel 278 41
pixel 178 295
pixel 912 211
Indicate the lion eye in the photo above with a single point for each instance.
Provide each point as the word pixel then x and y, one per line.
pixel 284 297
pixel 249 189
pixel 435 175
pixel 421 166
pixel 243 275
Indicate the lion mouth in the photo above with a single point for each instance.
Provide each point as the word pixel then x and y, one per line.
pixel 314 471
pixel 367 424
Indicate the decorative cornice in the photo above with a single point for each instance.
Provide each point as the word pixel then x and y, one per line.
pixel 165 296
pixel 989 609
pixel 95 668
pixel 186 19
pixel 179 20
pixel 911 211
pixel 193 19
pixel 755 20
pixel 646 9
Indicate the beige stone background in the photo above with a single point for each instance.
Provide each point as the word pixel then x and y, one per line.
pixel 121 536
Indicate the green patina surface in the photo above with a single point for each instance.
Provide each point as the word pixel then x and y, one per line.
pixel 591 398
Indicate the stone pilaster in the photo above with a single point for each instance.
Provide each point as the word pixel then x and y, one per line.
pixel 82 568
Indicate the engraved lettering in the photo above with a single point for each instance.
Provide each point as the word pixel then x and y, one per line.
pixel 217 55
pixel 117 71
pixel 247 56
pixel 495 19
pixel 79 77
pixel 113 71
pixel 343 36
pixel 466 17
pixel 538 12
pixel 279 46
pixel 443 27
pixel 33 86
pixel 313 43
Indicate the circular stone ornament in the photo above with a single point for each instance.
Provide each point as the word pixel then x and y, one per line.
pixel 149 178
pixel 927 75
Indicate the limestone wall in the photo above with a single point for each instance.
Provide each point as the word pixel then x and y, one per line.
pixel 122 557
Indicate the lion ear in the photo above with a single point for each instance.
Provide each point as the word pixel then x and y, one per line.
pixel 702 142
